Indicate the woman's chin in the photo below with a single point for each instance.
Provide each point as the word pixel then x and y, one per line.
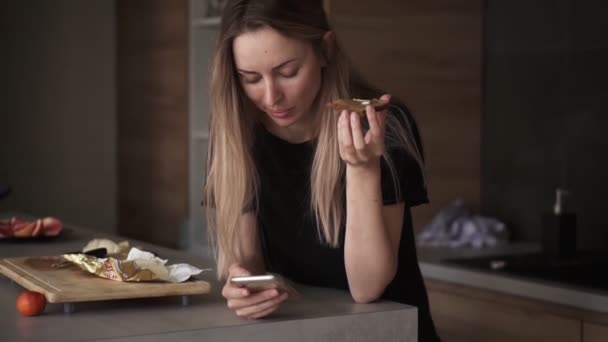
pixel 283 121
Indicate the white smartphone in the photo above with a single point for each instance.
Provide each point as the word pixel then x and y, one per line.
pixel 262 282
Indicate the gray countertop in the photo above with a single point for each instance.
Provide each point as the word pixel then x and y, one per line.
pixel 319 315
pixel 432 267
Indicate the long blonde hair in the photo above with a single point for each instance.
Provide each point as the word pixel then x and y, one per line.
pixel 231 185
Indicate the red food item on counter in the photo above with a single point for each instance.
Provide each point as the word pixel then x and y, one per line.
pixel 17 228
pixel 51 226
pixel 30 303
pixel 25 229
pixel 5 230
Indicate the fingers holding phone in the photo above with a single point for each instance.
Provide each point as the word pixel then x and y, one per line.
pixel 229 291
pixel 250 302
pixel 258 304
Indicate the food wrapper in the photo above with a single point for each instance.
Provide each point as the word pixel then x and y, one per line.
pixel 111 246
pixel 139 266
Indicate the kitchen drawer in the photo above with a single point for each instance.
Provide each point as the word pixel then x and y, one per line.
pixel 595 332
pixel 461 318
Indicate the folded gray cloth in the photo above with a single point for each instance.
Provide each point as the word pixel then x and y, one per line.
pixel 453 226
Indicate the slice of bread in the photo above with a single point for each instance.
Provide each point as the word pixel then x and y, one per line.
pixel 357 105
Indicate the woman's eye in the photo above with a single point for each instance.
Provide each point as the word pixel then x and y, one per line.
pixel 289 73
pixel 249 79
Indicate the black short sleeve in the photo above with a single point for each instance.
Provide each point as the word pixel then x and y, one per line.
pixel 410 187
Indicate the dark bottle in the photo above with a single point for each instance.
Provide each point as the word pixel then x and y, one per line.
pixel 559 228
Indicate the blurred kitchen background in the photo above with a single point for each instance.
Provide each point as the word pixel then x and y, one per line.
pixel 104 107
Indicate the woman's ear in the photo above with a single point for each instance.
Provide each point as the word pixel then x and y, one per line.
pixel 329 45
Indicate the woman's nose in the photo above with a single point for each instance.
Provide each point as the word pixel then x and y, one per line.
pixel 272 94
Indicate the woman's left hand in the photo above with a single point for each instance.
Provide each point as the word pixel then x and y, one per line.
pixel 357 149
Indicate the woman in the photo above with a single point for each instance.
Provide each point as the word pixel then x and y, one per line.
pixel 320 197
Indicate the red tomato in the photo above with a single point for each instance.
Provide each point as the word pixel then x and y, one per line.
pixel 30 303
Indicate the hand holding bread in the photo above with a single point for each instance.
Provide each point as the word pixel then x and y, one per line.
pixel 360 129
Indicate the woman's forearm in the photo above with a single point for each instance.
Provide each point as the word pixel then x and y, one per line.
pixel 369 256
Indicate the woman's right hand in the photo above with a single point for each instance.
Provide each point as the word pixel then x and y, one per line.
pixel 249 304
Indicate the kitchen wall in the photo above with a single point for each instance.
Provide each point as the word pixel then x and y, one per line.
pixel 152 105
pixel 429 54
pixel 543 77
pixel 545 116
pixel 58 115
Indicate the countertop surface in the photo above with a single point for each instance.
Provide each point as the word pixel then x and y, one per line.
pixel 433 266
pixel 319 315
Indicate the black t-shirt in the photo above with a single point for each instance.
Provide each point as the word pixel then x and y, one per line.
pixel 289 234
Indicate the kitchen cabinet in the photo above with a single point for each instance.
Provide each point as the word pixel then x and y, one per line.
pixel 428 54
pixel 460 318
pixel 465 313
pixel 152 119
pixel 203 31
pixel 164 51
pixel 595 332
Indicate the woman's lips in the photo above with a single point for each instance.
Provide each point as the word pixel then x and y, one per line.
pixel 280 113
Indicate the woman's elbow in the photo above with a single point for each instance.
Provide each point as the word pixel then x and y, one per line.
pixel 370 292
pixel 365 290
pixel 362 297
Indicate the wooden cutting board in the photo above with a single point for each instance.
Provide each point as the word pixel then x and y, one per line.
pixel 72 284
